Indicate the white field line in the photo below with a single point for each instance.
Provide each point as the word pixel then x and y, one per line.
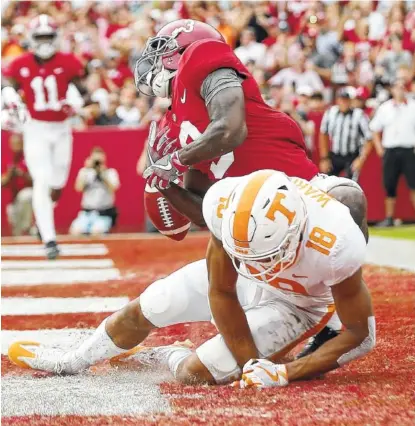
pixel 56 264
pixel 392 252
pixel 34 250
pixel 61 276
pixel 60 305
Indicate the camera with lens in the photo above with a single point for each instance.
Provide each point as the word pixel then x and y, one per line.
pixel 96 164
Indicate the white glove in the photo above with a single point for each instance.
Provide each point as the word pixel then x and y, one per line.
pixel 14 117
pixel 261 373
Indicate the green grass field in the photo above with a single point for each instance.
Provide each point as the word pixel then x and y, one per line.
pixel 406 232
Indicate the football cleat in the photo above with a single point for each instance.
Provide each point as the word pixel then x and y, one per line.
pixel 145 356
pixel 31 355
pixel 52 250
pixel 318 340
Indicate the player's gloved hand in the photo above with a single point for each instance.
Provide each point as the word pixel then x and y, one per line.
pixel 14 117
pixel 164 165
pixel 261 373
pixel 164 171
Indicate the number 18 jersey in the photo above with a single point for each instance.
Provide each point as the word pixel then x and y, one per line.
pixel 332 247
pixel 44 85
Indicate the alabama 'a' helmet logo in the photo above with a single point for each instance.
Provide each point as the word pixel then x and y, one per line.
pixel 187 28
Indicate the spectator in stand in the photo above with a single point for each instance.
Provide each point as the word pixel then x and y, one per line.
pixel 348 130
pixel 17 179
pixel 395 58
pixel 109 117
pixel 127 111
pixel 393 128
pixel 405 73
pixel 98 185
pixel 300 73
pixel 276 95
pixel 250 49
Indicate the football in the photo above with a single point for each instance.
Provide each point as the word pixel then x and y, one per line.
pixel 164 217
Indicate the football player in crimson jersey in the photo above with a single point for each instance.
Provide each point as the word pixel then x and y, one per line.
pixel 44 77
pixel 219 126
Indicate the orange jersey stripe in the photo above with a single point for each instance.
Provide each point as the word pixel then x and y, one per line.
pixel 244 208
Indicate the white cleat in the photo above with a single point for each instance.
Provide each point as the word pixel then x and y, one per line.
pixel 33 356
pixel 144 356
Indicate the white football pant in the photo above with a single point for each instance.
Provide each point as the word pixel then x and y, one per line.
pixel 275 324
pixel 48 155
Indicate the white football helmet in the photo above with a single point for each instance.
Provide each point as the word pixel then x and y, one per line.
pixel 43 36
pixel 262 225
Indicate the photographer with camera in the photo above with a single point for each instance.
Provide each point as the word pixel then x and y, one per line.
pixel 98 185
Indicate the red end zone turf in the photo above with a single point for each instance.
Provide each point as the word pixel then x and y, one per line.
pixel 377 390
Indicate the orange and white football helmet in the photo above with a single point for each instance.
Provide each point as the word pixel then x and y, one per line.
pixel 262 225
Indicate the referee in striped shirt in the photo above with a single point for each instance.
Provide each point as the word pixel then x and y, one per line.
pixel 348 130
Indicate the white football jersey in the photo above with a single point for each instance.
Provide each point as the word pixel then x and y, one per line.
pixel 332 248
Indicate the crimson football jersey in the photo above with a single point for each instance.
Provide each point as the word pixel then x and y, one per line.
pixel 44 85
pixel 274 140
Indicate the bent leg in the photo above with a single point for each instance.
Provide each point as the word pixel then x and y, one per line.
pixel 276 327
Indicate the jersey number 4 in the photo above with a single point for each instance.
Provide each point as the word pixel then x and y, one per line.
pixel 42 86
pixel 187 129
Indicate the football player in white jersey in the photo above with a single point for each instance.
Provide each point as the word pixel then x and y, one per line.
pixel 282 257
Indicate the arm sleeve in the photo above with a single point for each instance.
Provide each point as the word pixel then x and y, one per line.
pixel 218 80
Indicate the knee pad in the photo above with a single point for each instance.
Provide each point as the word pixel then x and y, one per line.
pixel 162 303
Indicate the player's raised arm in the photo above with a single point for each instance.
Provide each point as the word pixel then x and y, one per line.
pixel 354 306
pixel 226 310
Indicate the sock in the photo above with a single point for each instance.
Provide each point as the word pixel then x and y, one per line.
pixel 175 357
pixel 335 323
pixel 43 210
pixel 96 348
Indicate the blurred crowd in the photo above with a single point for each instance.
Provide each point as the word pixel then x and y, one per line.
pixel 300 52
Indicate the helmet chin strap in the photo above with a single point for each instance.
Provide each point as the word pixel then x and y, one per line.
pixel 161 83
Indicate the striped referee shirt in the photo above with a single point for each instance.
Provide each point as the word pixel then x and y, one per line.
pixel 347 131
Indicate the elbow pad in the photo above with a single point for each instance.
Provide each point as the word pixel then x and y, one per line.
pixel 365 347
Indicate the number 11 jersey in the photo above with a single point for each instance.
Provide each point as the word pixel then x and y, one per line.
pixel 44 85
